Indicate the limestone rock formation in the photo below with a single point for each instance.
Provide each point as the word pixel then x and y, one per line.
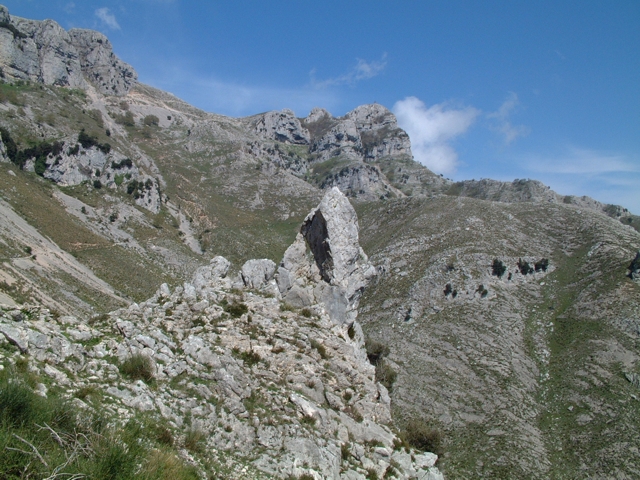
pixel 109 74
pixel 42 51
pixel 317 114
pixel 110 169
pixel 256 273
pixel 336 270
pixel 362 180
pixel 381 136
pixel 343 140
pixel 282 126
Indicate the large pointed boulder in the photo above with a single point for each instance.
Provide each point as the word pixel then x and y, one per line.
pixel 326 264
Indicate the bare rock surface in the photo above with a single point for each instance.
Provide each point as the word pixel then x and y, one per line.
pixel 282 126
pixel 337 270
pixel 42 51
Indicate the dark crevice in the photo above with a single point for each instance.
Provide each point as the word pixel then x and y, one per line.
pixel 317 237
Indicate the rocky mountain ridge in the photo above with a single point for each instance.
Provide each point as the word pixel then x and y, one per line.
pixel 519 371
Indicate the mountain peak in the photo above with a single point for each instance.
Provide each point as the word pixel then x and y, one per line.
pixel 43 52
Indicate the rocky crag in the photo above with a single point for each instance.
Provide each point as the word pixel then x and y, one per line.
pixel 273 389
pixel 42 51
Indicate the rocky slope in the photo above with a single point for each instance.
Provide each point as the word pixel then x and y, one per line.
pixel 513 327
pixel 281 391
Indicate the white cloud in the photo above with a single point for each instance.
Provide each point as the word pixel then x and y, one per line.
pixel 362 70
pixel 108 18
pixel 606 176
pixel 501 122
pixel 581 161
pixel 432 129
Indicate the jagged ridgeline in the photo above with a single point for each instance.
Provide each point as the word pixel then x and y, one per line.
pixel 500 330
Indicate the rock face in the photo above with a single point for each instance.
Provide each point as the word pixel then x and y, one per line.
pixel 342 140
pixel 110 169
pixel 342 152
pixel 526 190
pixel 109 74
pixel 282 126
pixel 42 51
pixel 381 136
pixel 336 271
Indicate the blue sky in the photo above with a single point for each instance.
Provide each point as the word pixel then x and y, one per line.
pixel 486 89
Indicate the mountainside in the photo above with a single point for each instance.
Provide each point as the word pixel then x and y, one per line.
pixel 514 328
pixel 497 322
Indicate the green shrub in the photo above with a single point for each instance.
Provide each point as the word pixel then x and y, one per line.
pixel 127 119
pixel 498 268
pixel 138 367
pixel 87 141
pixel 124 163
pixel 385 374
pixel 345 452
pixel 375 351
pixel 164 435
pixel 543 264
pixel 285 307
pixel 249 357
pixel 321 349
pixel 151 121
pixel 194 440
pixel 236 310
pixel 524 267
pixel 421 437
pixel 351 331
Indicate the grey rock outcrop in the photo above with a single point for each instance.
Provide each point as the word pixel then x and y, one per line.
pixel 109 74
pixel 256 273
pixel 277 391
pixel 527 190
pixel 381 136
pixel 336 271
pixel 343 140
pixel 42 51
pixel 282 126
pixel 317 114
pixel 110 169
pixel 362 180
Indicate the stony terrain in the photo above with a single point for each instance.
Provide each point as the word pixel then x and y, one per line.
pixel 524 372
pixel 270 388
pixel 525 368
